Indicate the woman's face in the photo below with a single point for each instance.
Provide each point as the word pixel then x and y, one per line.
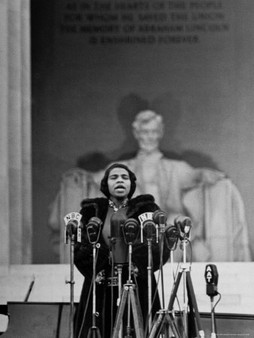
pixel 119 183
pixel 148 136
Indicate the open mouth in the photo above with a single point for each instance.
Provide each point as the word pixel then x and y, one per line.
pixel 120 188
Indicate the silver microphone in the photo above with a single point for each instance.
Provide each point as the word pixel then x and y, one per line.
pixel 72 226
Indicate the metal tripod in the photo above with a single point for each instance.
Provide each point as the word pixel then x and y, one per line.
pixel 129 296
pixel 130 299
pixel 189 298
pixel 164 325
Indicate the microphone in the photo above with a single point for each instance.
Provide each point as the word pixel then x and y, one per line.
pixel 93 229
pixel 119 247
pixel 172 235
pixel 72 226
pixel 130 230
pixel 184 225
pixel 150 230
pixel 211 277
pixel 147 224
pixel 160 219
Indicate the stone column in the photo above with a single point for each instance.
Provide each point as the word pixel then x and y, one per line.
pixel 15 133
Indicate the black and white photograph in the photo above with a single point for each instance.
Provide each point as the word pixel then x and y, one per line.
pixel 127 185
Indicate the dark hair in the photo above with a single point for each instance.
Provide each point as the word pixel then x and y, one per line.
pixel 104 181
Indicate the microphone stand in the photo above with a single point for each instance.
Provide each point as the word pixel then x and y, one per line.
pixel 160 220
pixel 211 276
pixel 162 233
pixel 185 298
pixel 128 326
pixel 213 333
pixel 71 282
pixel 93 233
pixel 120 283
pixel 72 231
pixel 149 238
pixel 188 294
pixel 94 330
pixel 159 237
pixel 128 295
pixel 165 324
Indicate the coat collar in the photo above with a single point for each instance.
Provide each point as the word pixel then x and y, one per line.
pixel 99 206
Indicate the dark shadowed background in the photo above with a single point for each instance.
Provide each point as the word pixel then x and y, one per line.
pixel 95 64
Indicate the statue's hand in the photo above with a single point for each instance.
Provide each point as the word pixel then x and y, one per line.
pixel 210 176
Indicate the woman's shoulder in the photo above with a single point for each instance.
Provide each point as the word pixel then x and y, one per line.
pixel 142 203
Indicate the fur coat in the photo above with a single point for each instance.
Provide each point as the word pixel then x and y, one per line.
pixel 83 258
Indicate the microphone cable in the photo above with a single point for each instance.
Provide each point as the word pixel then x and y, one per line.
pixel 219 294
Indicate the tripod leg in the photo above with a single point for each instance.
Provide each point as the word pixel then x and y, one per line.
pixel 94 332
pixel 173 326
pixel 193 303
pixel 136 310
pixel 120 313
pixel 174 291
pixel 157 326
pixel 163 324
pixel 137 317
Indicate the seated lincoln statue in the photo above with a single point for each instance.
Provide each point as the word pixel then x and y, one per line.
pixel 207 196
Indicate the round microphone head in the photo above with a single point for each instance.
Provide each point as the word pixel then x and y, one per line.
pixel 130 230
pixel 95 221
pixel 71 227
pixel 172 236
pixel 159 217
pixel 93 228
pixel 183 223
pixel 149 229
